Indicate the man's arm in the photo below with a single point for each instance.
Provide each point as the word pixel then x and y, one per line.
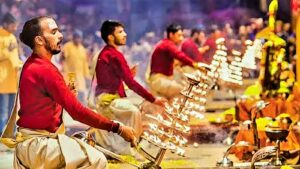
pixel 58 90
pixel 121 66
pixel 86 70
pixel 191 49
pixel 176 53
pixel 7 51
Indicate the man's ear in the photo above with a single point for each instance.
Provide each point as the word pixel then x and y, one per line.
pixel 171 35
pixel 168 35
pixel 39 40
pixel 110 38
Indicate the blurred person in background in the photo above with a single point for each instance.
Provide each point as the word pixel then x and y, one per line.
pixel 76 61
pixel 210 44
pixel 9 65
pixel 192 46
pixel 290 38
pixel 161 79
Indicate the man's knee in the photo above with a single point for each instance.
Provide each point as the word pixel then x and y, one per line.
pixel 123 107
pixel 101 161
pixel 166 87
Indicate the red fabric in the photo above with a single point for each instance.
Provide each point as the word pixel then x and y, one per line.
pixel 163 58
pixel 43 94
pixel 112 70
pixel 208 55
pixel 295 5
pixel 190 48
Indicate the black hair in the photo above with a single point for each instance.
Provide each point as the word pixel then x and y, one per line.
pixel 77 33
pixel 8 18
pixel 108 27
pixel 212 29
pixel 31 29
pixel 195 30
pixel 173 28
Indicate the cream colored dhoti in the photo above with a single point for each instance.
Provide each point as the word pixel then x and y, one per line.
pixel 170 86
pixel 121 110
pixel 165 86
pixel 44 150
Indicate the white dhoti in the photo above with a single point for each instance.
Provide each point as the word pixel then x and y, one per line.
pixel 121 110
pixel 44 150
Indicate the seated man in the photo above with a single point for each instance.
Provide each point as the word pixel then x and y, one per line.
pixel 112 71
pixel 41 142
pixel 161 78
pixel 192 46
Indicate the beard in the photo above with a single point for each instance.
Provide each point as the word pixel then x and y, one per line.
pixel 198 42
pixel 50 48
pixel 119 42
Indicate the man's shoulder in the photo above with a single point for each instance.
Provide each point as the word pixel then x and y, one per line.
pixel 209 41
pixel 186 42
pixel 37 69
pixel 189 43
pixel 68 43
pixel 189 40
pixel 39 65
pixel 7 35
pixel 110 53
pixel 4 32
pixel 66 47
pixel 162 44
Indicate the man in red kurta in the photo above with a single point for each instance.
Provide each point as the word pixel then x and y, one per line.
pixel 161 75
pixel 112 71
pixel 211 45
pixel 43 95
pixel 191 46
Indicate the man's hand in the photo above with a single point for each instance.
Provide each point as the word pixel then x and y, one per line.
pixel 203 49
pixel 12 46
pixel 160 101
pixel 128 134
pixel 201 66
pixel 133 69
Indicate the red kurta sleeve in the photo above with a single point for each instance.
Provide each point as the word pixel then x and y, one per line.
pixel 191 49
pixel 59 91
pixel 121 66
pixel 176 53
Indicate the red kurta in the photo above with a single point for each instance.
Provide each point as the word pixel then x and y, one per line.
pixel 163 57
pixel 43 95
pixel 208 55
pixel 190 48
pixel 112 70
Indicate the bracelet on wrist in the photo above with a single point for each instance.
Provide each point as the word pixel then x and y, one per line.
pixel 140 106
pixel 115 127
pixel 120 131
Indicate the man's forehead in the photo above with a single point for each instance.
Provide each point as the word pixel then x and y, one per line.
pixel 50 23
pixel 179 32
pixel 119 28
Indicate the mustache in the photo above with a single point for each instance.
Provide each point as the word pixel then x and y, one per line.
pixel 59 42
